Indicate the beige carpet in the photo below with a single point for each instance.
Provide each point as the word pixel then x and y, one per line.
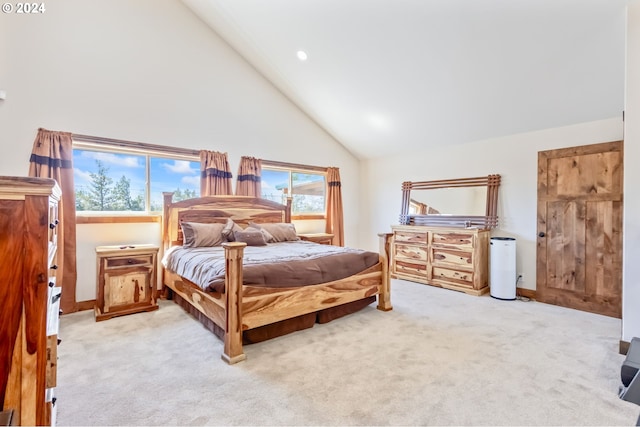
pixel 439 358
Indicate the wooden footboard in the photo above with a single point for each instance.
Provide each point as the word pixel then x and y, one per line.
pixel 243 307
pixel 246 307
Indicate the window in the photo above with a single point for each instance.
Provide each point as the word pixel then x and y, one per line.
pixel 306 188
pixel 108 181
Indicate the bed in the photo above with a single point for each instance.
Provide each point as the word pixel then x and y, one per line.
pixel 240 312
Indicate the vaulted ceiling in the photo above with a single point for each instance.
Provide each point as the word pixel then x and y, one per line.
pixel 388 75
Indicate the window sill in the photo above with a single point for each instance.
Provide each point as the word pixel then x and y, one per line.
pixel 117 219
pixel 309 216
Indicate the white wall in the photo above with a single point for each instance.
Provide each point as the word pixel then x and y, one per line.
pixel 514 157
pixel 631 257
pixel 91 235
pixel 148 71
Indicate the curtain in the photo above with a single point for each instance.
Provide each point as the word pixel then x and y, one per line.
pixel 335 224
pixel 249 173
pixel 52 157
pixel 215 175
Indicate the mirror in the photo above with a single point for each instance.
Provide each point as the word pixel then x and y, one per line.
pixel 450 201
pixel 464 202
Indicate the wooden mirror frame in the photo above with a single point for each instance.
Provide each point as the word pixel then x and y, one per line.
pixel 488 221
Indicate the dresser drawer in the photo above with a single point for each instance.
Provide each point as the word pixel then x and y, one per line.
pixel 410 268
pixel 115 262
pixel 52 407
pixel 410 252
pixel 53 223
pixel 462 278
pixel 51 376
pixel 411 236
pixel 53 309
pixel 458 259
pixel 458 239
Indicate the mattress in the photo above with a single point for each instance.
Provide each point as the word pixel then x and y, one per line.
pixel 284 264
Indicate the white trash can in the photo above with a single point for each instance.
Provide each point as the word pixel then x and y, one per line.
pixel 502 274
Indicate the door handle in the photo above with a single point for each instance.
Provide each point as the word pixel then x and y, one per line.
pixel 541 234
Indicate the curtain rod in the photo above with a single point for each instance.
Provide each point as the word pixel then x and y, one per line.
pixel 293 165
pixel 134 145
pixel 175 150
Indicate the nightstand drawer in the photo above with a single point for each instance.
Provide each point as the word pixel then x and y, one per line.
pixel 321 238
pixel 126 280
pixel 117 262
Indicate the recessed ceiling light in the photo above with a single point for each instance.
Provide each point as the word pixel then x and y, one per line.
pixel 302 55
pixel 378 121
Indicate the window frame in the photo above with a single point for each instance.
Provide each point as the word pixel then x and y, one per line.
pixel 299 168
pixel 101 144
pixel 148 151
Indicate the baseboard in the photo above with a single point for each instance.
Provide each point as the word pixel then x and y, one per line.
pixel 624 347
pixel 86 305
pixel 529 293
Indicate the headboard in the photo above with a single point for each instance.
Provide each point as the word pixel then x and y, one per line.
pixel 212 209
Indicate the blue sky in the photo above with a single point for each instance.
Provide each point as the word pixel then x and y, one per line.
pixel 166 174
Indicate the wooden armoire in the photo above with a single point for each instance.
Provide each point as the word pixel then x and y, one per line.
pixel 30 298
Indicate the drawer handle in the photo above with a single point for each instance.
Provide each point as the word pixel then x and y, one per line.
pixel 130 261
pixel 51 284
pixel 54 267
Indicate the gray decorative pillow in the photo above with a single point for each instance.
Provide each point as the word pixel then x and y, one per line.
pixel 197 234
pixel 250 236
pixel 281 231
pixel 267 236
pixel 230 228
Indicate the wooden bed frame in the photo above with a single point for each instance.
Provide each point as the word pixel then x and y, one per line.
pixel 242 307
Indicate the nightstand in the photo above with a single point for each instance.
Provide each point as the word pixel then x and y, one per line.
pixel 322 238
pixel 126 280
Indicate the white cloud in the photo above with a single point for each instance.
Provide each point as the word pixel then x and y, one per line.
pixel 82 176
pixel 110 158
pixel 191 180
pixel 179 166
pixel 267 187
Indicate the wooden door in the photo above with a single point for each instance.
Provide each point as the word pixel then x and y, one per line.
pixel 579 253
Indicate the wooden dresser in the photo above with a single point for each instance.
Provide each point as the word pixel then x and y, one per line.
pixel 452 258
pixel 29 317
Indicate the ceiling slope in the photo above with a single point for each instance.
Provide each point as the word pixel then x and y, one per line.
pixel 385 76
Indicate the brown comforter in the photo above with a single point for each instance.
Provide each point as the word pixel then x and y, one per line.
pixel 284 264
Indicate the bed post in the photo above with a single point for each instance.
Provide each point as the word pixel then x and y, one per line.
pixel 233 352
pixel 384 297
pixel 287 212
pixel 167 199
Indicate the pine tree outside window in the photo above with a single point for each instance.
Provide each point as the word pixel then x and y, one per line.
pixel 112 181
